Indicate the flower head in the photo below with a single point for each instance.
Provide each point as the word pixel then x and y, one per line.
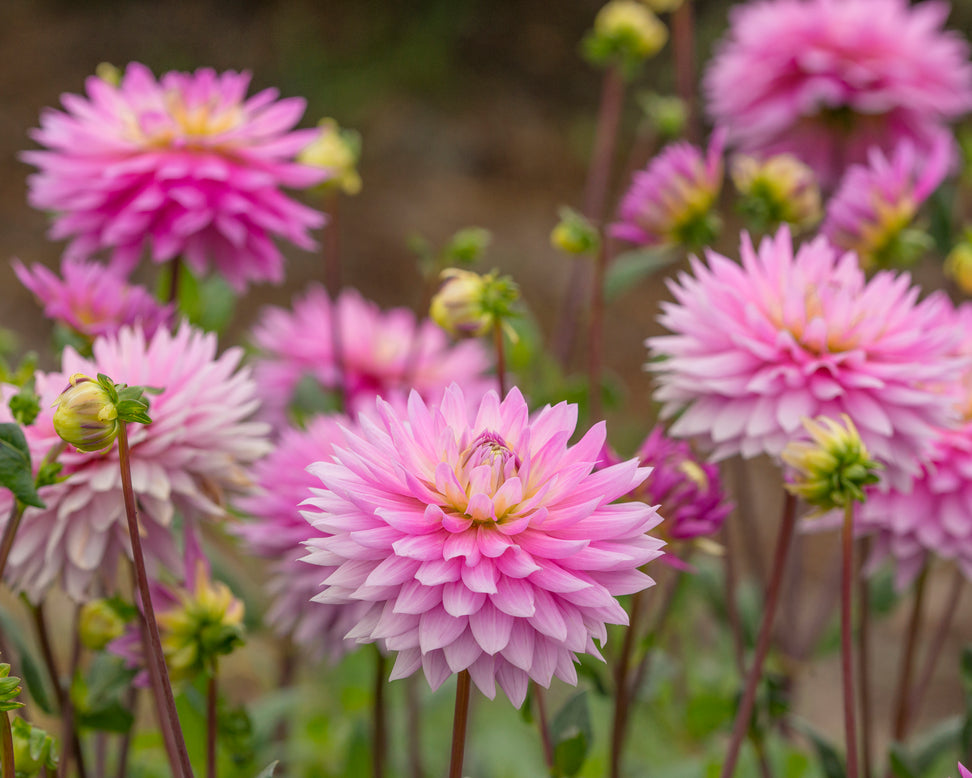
pixel 876 203
pixel 480 540
pixel 93 300
pixel 186 166
pixel 383 353
pixel 827 79
pixel 757 346
pixel 672 199
pixel 778 190
pixel 193 455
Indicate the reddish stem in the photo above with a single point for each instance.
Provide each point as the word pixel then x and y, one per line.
pixel 543 726
pixel 596 332
pixel 863 656
pixel 683 46
pixel 847 638
pixel 379 722
pixel 6 746
pixel 500 358
pixel 908 659
pixel 459 721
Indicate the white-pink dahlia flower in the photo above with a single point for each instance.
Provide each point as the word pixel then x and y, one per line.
pixel 383 353
pixel 196 451
pixel 826 80
pixel 186 166
pixel 786 335
pixel 480 540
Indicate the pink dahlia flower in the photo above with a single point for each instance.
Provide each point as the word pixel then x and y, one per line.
pixel 196 450
pixel 827 79
pixel 672 199
pixel 963 772
pixel 186 165
pixel 757 347
pixel 383 353
pixel 870 212
pixel 92 300
pixel 278 531
pixel 480 540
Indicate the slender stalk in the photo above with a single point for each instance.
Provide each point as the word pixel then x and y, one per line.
pixel 596 332
pixel 287 668
pixel 543 726
pixel 595 193
pixel 863 657
pixel 126 740
pixel 165 727
pixel 379 718
pixel 935 649
pixel 746 510
pixel 745 712
pixel 908 659
pixel 331 256
pixel 413 726
pixel 9 532
pixel 6 746
pixel 154 658
pixel 500 358
pixel 683 49
pixel 175 271
pixel 847 638
pixel 212 720
pixel 459 721
pixel 732 606
pixel 621 697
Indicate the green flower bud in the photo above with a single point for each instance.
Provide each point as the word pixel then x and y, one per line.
pixel 337 150
pixel 86 415
pixel 831 470
pixel 777 190
pixel 667 114
pixel 108 73
pixel 100 622
pixel 958 264
pixel 33 749
pixel 574 234
pixel 469 305
pixel 625 31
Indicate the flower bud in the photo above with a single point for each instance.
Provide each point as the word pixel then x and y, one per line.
pixel 666 114
pixel 108 73
pixel 337 150
pixel 86 415
pixel 625 31
pixel 777 190
pixel 831 470
pixel 33 749
pixel 574 234
pixel 958 265
pixel 469 305
pixel 99 624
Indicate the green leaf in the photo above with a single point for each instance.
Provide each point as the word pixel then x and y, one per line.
pixel 34 677
pixel 830 761
pixel 901 762
pixel 16 473
pixel 572 735
pixel 627 269
pixel 267 772
pixel 99 695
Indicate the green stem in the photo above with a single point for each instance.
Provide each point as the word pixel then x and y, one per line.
pixel 745 712
pixel 459 721
pixel 154 657
pixel 6 746
pixel 212 721
pixel 847 639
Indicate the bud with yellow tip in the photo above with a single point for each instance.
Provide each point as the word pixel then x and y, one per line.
pixel 337 150
pixel 958 264
pixel 777 190
pixel 574 233
pixel 625 32
pixel 469 304
pixel 89 411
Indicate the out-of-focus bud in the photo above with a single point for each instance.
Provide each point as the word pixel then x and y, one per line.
pixel 830 470
pixel 338 150
pixel 625 32
pixel 33 749
pixel 958 264
pixel 468 304
pixel 663 6
pixel 108 73
pixel 574 234
pixel 87 415
pixel 99 623
pixel 665 113
pixel 467 245
pixel 777 190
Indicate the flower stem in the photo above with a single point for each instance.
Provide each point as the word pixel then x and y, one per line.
pixel 154 658
pixel 413 726
pixel 331 254
pixel 126 742
pixel 908 659
pixel 621 697
pixel 212 720
pixel 847 638
pixel 543 726
pixel 9 532
pixel 596 332
pixel 379 718
pixel 683 49
pixel 500 358
pixel 732 606
pixel 745 712
pixel 6 746
pixel 175 271
pixel 863 656
pixel 459 721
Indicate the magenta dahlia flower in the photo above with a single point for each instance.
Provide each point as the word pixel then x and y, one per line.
pixel 195 453
pixel 92 300
pixel 875 204
pixel 383 353
pixel 827 79
pixel 757 347
pixel 480 540
pixel 185 165
pixel 277 532
pixel 671 200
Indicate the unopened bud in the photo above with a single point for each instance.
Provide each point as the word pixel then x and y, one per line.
pixel 574 234
pixel 958 265
pixel 337 150
pixel 469 305
pixel 777 190
pixel 33 749
pixel 625 31
pixel 99 623
pixel 108 73
pixel 86 415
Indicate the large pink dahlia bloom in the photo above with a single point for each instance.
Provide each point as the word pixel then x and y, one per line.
pixel 277 531
pixel 827 79
pixel 757 347
pixel 480 540
pixel 186 165
pixel 92 300
pixel 196 450
pixel 383 353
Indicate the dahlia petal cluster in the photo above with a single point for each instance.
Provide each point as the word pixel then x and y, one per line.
pixel 480 540
pixel 186 166
pixel 827 79
pixel 383 353
pixel 277 532
pixel 670 200
pixel 196 451
pixel 92 300
pixel 757 346
pixel 876 202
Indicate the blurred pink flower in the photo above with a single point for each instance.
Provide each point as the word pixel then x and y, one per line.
pixel 93 300
pixel 671 200
pixel 186 165
pixel 786 335
pixel 196 450
pixel 827 79
pixel 383 353
pixel 481 541
pixel 877 202
pixel 277 532
pixel 963 773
